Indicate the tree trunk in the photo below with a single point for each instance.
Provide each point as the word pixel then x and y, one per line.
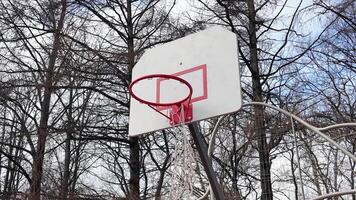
pixel 134 169
pixel 353 167
pixel 66 168
pixel 134 181
pixel 37 169
pixel 263 149
pixel 76 164
pixel 7 179
pixel 1 143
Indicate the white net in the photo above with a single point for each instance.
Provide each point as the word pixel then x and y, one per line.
pixel 183 165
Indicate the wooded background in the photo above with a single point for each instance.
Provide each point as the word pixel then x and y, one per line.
pixel 65 66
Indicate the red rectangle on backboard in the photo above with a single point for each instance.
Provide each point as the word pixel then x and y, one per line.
pixel 201 69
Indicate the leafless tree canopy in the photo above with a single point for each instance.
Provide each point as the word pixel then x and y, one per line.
pixel 65 67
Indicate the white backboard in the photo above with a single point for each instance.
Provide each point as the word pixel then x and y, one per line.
pixel 208 60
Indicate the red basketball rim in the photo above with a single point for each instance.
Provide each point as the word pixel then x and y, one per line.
pixel 165 76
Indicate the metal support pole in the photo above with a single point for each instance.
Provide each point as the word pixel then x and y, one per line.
pixel 203 153
pixel 311 127
pixel 298 159
pixel 335 194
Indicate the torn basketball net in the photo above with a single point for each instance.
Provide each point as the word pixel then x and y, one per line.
pixel 183 165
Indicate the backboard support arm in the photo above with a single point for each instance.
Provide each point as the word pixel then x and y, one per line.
pixel 311 127
pixel 202 148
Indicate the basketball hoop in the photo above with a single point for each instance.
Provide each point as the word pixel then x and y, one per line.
pixel 180 111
